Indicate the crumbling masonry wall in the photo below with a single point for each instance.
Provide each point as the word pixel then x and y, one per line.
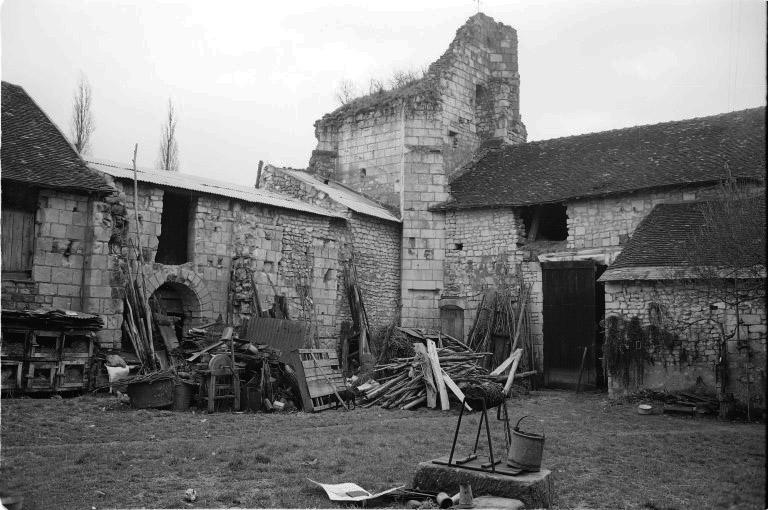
pixel 410 141
pixel 690 313
pixel 373 244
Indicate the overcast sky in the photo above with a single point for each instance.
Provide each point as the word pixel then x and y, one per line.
pixel 250 78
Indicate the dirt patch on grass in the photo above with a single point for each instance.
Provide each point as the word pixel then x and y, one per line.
pixel 87 451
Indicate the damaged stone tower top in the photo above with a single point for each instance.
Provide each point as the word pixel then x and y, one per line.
pixel 468 97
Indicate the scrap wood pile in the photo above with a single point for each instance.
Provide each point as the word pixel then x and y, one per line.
pixel 439 364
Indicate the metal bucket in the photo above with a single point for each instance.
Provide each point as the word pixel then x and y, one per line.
pixel 525 449
pixel 182 396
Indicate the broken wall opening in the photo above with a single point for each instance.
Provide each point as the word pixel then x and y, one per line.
pixel 548 222
pixel 176 240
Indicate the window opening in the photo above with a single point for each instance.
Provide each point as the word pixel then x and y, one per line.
pixel 547 222
pixel 176 234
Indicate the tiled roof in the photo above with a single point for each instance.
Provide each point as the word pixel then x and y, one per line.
pixel 35 152
pixel 614 162
pixel 343 195
pixel 672 236
pixel 209 186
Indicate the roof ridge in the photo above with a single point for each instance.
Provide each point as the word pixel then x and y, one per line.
pixel 636 126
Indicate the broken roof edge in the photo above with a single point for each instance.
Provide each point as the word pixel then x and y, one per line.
pixel 342 194
pixel 453 205
pixel 678 273
pixel 207 186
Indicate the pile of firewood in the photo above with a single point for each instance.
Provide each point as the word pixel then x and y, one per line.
pixel 441 364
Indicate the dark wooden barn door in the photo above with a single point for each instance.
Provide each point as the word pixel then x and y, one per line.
pixel 569 321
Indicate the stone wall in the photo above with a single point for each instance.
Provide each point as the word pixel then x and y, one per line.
pixel 70 260
pixel 373 242
pixel 291 254
pixel 690 313
pixel 480 90
pixel 609 221
pixel 411 140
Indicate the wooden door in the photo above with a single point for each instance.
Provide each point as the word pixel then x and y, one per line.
pixel 452 321
pixel 569 321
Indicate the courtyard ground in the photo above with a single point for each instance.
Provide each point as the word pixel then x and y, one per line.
pixel 90 452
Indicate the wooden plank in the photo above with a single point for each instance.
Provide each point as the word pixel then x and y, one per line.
pixel 429 380
pixel 508 386
pixel 200 353
pixel 167 331
pixel 438 374
pixel 504 364
pixel 455 389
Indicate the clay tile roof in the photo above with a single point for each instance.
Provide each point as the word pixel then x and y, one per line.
pixel 667 237
pixel 614 162
pixel 35 152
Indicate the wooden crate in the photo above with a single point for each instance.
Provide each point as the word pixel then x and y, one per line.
pixel 12 372
pixel 45 344
pixel 319 374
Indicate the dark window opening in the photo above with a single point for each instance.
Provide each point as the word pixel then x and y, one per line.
pixel 454 136
pixel 546 222
pixel 18 230
pixel 362 173
pixel 176 234
pixel 458 246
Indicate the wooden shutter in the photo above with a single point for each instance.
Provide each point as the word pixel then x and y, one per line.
pixel 18 241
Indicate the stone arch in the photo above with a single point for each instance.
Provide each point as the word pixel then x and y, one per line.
pixel 190 287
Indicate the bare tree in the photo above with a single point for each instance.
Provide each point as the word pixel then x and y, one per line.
pixel 82 119
pixel 345 92
pixel 375 86
pixel 729 257
pixel 169 148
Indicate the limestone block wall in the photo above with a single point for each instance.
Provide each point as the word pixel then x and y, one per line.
pixel 480 254
pixel 368 151
pixel 70 260
pixel 690 311
pixel 609 221
pixel 423 248
pixel 480 89
pixel 376 245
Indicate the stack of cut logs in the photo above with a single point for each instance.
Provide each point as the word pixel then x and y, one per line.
pixel 441 364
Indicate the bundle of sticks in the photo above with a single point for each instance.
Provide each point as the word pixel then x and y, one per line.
pixel 502 324
pixel 137 325
pixel 442 365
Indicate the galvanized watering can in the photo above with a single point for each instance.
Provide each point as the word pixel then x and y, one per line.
pixel 525 449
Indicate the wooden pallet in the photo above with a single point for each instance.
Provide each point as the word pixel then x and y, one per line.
pixel 319 375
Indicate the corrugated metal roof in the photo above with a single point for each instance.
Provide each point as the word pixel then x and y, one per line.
pixel 210 186
pixel 343 195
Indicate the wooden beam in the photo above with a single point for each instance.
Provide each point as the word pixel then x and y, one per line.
pixel 429 380
pixel 455 389
pixel 438 373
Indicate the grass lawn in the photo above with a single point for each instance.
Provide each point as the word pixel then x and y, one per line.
pixel 91 452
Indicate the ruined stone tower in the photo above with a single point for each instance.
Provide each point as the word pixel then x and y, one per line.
pixel 402 146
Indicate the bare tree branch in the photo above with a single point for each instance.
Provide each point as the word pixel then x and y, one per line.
pixel 169 148
pixel 82 120
pixel 346 92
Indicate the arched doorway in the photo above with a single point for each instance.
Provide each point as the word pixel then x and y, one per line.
pixel 179 303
